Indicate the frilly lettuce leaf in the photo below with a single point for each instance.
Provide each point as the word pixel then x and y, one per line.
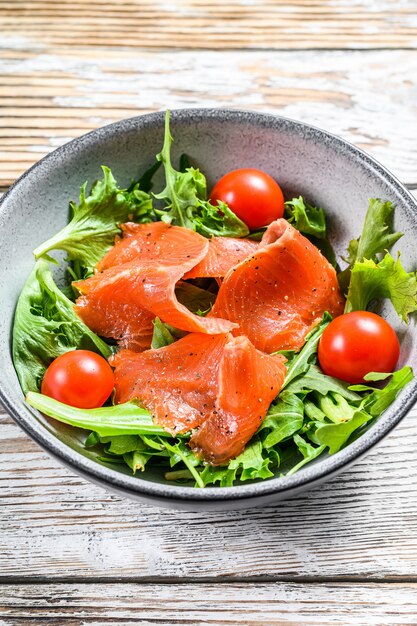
pixel 185 203
pixel 45 326
pixel 377 235
pixel 95 220
pixel 386 279
pixel 306 218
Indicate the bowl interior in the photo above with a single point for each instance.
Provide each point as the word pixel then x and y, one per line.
pixel 304 160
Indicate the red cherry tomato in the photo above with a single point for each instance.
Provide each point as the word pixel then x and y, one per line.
pixel 79 378
pixel 252 195
pixel 357 343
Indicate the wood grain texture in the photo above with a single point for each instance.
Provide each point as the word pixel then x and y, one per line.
pixel 212 23
pixel 361 525
pixel 48 97
pixel 203 605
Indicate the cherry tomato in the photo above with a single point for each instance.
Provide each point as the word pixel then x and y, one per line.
pixel 79 378
pixel 252 195
pixel 357 343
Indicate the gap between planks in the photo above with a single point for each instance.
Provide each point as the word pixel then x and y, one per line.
pixel 274 604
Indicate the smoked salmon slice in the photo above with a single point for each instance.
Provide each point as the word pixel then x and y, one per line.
pixel 248 382
pixel 151 242
pixel 138 283
pixel 278 293
pixel 177 384
pixel 223 253
pixel 220 384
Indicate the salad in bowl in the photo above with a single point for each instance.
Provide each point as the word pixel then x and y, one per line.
pixel 214 338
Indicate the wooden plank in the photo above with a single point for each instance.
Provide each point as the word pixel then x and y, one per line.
pixel 248 604
pixel 51 96
pixel 194 24
pixel 360 525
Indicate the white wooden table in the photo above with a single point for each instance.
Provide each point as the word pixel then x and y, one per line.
pixel 345 553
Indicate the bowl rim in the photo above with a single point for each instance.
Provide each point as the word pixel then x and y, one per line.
pixel 28 420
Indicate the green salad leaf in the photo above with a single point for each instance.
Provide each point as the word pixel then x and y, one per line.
pixel 45 326
pixel 377 235
pixel 334 436
pixel 95 219
pixel 386 279
pixel 285 418
pixel 372 272
pixel 310 221
pixel 380 399
pixel 301 362
pixel 308 452
pixel 161 335
pixel 305 217
pixel 121 419
pixel 185 200
pixel 314 380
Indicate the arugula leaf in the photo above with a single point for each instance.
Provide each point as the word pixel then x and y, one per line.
pixel 187 457
pixel 122 419
pixel 249 465
pixel 314 380
pixel 334 436
pixel 45 326
pixel 95 219
pixel 306 218
pixel 377 235
pixel 386 279
pixel 375 376
pixel 185 200
pixel 136 460
pixel 283 419
pixel 308 452
pixel 161 335
pixel 121 444
pixel 336 408
pixel 380 399
pixel 301 362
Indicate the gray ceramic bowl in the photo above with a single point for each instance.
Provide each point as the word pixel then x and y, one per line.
pixel 305 160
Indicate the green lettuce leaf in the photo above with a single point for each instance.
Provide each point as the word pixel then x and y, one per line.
pixel 308 452
pixel 249 465
pixel 334 436
pixel 386 279
pixel 284 418
pixel 107 421
pixel 314 380
pixel 161 335
pixel 377 238
pixel 311 221
pixel 377 235
pixel 95 220
pixel 185 203
pixel 136 460
pixel 45 326
pixel 121 444
pixel 380 399
pixel 306 218
pixel 302 361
